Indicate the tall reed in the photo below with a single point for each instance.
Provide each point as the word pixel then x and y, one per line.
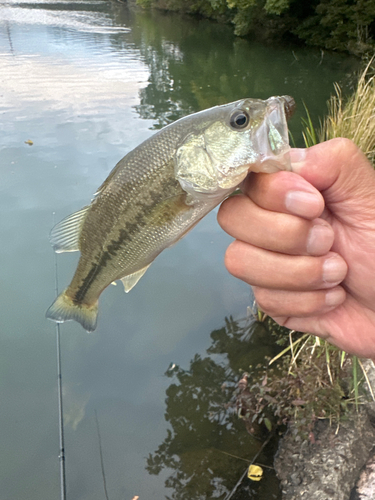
pixel 353 118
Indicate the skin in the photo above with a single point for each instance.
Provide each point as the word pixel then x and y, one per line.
pixel 305 241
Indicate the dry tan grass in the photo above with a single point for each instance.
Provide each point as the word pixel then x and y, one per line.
pixel 354 119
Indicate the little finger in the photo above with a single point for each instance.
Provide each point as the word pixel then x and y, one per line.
pixel 284 303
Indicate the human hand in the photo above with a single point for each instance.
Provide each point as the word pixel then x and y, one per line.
pixel 305 241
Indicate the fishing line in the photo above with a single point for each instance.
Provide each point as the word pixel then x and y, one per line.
pixel 101 456
pixel 60 400
pixel 230 495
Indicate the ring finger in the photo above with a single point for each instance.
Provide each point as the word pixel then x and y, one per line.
pixel 260 267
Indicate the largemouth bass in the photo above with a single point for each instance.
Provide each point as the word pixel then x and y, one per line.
pixel 160 190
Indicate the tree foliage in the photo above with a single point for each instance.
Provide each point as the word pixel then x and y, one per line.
pixel 207 448
pixel 209 405
pixel 344 25
pixel 341 25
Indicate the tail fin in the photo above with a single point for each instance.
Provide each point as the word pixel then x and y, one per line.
pixel 64 309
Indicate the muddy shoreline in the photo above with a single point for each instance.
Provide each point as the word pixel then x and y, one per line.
pixel 329 465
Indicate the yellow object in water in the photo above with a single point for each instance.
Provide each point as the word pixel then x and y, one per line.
pixel 255 473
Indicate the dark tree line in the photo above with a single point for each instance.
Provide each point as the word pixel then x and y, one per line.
pixel 342 25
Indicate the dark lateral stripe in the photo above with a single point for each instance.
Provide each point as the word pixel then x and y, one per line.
pixel 125 235
pixel 111 252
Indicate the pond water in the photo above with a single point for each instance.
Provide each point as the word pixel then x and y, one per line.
pixel 85 82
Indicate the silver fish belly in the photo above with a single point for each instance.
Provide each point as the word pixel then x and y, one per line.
pixel 160 190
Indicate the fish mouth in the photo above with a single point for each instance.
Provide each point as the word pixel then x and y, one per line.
pixel 289 106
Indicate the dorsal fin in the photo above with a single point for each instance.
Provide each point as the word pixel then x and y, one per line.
pixel 110 176
pixel 131 280
pixel 64 236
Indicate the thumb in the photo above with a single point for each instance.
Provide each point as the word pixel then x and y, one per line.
pixel 342 173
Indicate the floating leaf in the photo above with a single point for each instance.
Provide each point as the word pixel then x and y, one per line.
pixel 255 473
pixel 268 424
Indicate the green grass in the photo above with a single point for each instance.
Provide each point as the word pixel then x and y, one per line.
pixel 353 119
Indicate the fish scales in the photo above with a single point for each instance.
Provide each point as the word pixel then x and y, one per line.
pixel 134 240
pixel 131 203
pixel 161 189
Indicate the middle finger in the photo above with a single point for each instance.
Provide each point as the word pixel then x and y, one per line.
pixel 280 232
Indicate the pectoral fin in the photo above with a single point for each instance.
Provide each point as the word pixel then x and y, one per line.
pixel 132 279
pixel 64 236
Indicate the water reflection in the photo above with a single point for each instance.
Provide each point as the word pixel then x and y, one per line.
pixel 82 16
pixel 205 65
pixel 48 71
pixel 207 447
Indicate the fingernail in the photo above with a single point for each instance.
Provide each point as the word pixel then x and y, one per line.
pixel 320 239
pixel 297 158
pixel 334 270
pixel 302 203
pixel 334 297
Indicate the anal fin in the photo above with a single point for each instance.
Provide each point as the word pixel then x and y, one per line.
pixel 131 280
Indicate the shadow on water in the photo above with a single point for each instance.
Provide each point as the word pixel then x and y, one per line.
pixel 207 446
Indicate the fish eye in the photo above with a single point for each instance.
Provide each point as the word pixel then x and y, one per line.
pixel 239 119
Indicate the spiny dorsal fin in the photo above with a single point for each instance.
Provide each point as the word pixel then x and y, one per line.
pixel 132 279
pixel 64 236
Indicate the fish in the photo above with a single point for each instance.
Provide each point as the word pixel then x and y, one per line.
pixel 160 190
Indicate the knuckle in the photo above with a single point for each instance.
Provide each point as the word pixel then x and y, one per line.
pixel 227 212
pixel 222 215
pixel 263 297
pixel 345 148
pixel 342 143
pixel 232 260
